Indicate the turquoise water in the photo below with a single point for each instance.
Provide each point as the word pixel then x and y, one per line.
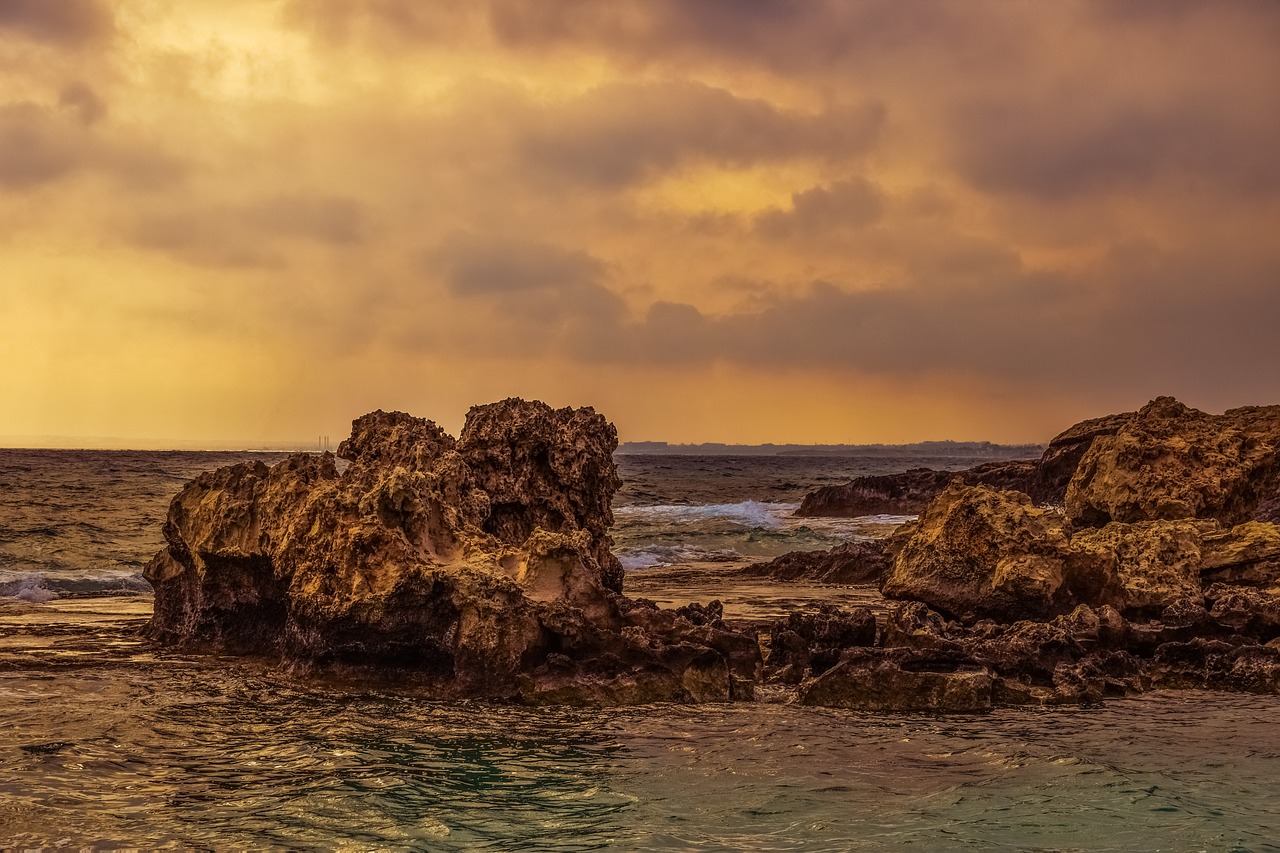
pixel 215 755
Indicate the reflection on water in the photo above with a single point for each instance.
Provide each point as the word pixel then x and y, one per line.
pixel 125 748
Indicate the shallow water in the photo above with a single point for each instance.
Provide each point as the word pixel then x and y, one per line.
pixel 152 750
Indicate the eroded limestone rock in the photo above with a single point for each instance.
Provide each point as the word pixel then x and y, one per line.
pixel 475 567
pixel 976 552
pixel 1169 461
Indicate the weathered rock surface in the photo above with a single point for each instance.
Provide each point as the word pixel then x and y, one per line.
pixel 976 552
pixel 1169 461
pixel 482 567
pixel 911 491
pixel 475 567
pixel 806 644
pixel 1164 461
pixel 864 561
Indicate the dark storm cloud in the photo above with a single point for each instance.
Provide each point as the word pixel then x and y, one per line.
pixel 1058 146
pixel 66 23
pixel 785 35
pixel 42 145
pixel 478 266
pixel 852 203
pixel 623 133
pixel 36 147
pixel 1142 323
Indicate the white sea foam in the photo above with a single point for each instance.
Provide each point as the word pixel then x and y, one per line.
pixel 746 513
pixel 669 555
pixel 39 588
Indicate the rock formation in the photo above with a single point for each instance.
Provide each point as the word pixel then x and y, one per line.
pixel 480 566
pixel 1163 570
pixel 911 491
pixel 863 561
pixel 1192 464
pixel 1168 461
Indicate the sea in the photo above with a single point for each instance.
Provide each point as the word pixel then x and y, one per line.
pixel 108 743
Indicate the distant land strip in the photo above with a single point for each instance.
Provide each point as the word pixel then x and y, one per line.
pixel 964 449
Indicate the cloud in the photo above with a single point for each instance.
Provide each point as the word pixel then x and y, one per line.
pixel 323 218
pixel 36 147
pixel 84 101
pixel 625 133
pixel 1058 147
pixel 488 265
pixel 248 234
pixel 64 23
pixel 852 203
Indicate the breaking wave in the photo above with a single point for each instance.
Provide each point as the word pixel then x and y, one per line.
pixel 37 588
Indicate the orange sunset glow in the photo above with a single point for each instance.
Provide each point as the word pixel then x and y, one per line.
pixel 790 221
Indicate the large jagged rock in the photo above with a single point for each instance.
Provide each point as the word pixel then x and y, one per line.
pixel 1164 461
pixel 475 567
pixel 1060 459
pixel 1169 461
pixel 976 552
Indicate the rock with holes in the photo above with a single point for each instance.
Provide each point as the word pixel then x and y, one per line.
pixel 1169 461
pixel 477 566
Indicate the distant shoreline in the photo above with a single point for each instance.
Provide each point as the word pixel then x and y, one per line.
pixel 959 449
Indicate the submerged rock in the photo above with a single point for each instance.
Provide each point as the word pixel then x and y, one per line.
pixel 878 682
pixel 480 566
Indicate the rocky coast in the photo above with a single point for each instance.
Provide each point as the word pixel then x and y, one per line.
pixel 1140 551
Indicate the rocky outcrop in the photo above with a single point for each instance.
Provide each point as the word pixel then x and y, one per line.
pixel 859 562
pixel 976 552
pixel 1171 462
pixel 1164 461
pixel 911 491
pixel 480 566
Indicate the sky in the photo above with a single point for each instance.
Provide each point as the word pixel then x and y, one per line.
pixel 725 220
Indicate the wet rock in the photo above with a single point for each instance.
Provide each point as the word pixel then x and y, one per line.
pixel 807 643
pixel 864 561
pixel 1101 628
pixel 870 682
pixel 912 625
pixel 1029 651
pixel 1217 665
pixel 909 492
pixel 1246 611
pixel 1170 462
pixel 476 567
